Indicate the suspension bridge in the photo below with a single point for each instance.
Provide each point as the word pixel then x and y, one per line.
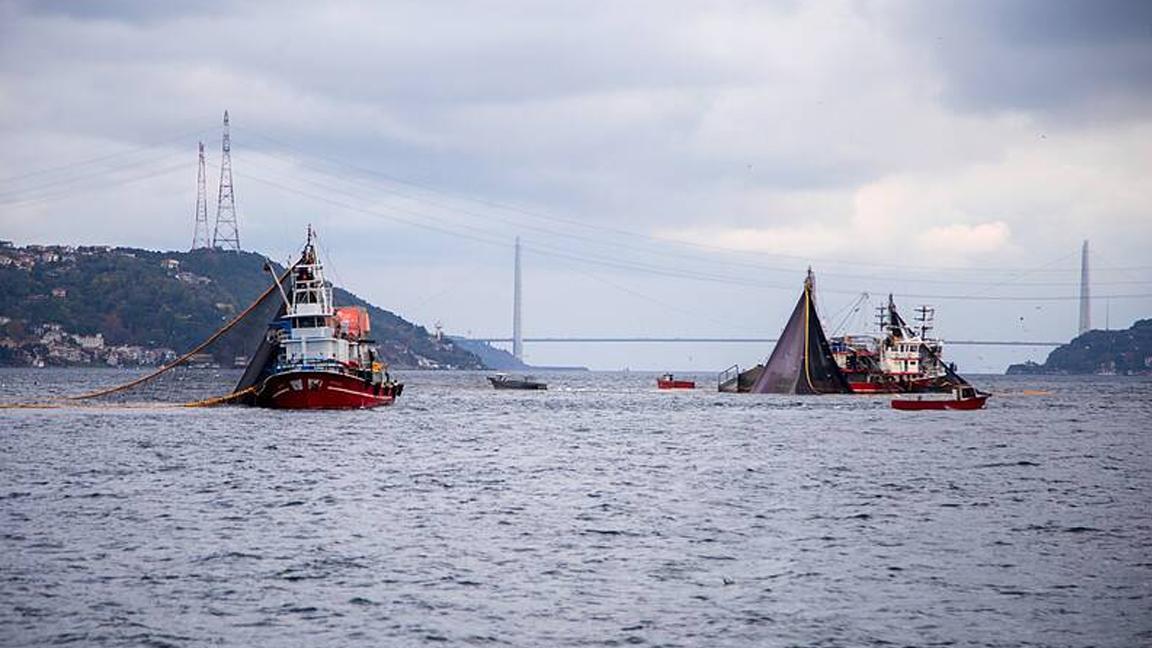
pixel 723 340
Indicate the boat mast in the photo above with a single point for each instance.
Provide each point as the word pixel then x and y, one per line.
pixel 924 317
pixel 311 294
pixel 894 323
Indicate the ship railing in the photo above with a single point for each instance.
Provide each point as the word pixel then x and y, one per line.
pixel 313 365
pixel 729 379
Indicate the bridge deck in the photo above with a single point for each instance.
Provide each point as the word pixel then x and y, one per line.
pixel 707 340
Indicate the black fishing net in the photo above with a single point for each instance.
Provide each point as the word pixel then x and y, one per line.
pixel 802 361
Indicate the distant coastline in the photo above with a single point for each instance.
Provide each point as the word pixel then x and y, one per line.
pixel 1126 352
pixel 501 360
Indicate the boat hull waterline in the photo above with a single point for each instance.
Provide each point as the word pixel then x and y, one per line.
pixel 523 384
pixel 324 390
pixel 916 404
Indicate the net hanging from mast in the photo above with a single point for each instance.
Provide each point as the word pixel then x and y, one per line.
pixel 802 361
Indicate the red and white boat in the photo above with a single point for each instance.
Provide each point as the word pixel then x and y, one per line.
pixel 668 381
pixel 320 356
pixel 859 358
pixel 905 359
pixel 961 398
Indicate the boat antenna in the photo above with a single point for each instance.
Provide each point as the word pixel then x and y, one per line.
pixel 309 254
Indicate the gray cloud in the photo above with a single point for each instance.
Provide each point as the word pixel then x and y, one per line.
pixel 1075 58
pixel 135 11
pixel 815 129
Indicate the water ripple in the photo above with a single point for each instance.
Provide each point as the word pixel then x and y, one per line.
pixel 600 514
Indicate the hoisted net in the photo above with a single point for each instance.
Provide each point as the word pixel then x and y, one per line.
pixel 802 361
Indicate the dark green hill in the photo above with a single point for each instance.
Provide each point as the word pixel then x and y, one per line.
pixel 51 296
pixel 1126 352
pixel 493 358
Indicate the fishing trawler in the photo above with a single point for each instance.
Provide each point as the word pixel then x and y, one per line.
pixel 317 355
pixel 858 356
pixel 903 359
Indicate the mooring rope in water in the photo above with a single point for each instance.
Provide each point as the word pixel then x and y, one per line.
pixel 207 402
pixel 184 358
pixel 218 400
pixel 45 405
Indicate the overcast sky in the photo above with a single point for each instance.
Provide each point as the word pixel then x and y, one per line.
pixel 672 167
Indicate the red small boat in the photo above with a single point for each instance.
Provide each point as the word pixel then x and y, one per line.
pixel 962 398
pixel 668 381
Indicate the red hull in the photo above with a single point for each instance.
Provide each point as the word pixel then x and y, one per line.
pixel 873 388
pixel 323 390
pixel 675 384
pixel 911 386
pixel 961 404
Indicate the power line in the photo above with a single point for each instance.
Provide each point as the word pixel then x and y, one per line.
pixel 376 185
pixel 69 193
pixel 14 196
pixel 600 261
pixel 369 212
pixel 614 230
pixel 484 234
pixel 457 210
pixel 103 158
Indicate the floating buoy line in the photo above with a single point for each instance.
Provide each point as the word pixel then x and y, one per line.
pixel 70 401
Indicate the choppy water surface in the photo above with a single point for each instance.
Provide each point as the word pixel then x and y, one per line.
pixel 602 512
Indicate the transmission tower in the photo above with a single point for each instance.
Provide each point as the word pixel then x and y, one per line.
pixel 226 236
pixel 201 236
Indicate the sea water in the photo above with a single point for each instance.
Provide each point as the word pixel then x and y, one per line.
pixel 601 512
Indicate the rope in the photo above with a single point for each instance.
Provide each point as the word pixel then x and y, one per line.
pixel 851 308
pixel 47 405
pixel 209 402
pixel 184 358
pixel 807 328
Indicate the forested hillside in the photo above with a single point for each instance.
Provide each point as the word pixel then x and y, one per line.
pixel 1123 352
pixel 97 305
